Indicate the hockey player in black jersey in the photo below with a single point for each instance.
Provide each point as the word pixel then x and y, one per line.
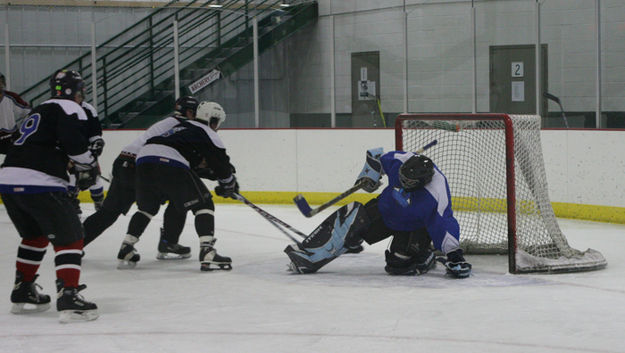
pixel 121 193
pixel 168 168
pixel 33 186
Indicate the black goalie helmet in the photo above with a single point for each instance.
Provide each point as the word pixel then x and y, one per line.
pixel 66 84
pixel 416 172
pixel 185 103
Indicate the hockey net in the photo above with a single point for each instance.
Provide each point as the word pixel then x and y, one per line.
pixel 495 170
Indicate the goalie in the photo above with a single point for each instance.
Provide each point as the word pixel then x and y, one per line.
pixel 415 209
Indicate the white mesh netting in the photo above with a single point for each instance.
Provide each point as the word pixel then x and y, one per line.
pixel 471 152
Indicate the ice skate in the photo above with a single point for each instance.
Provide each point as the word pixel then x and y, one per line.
pixel 25 297
pixel 172 251
pixel 72 306
pixel 210 260
pixel 167 251
pixel 98 200
pixel 128 256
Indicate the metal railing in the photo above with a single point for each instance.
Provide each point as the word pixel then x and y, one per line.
pixel 138 62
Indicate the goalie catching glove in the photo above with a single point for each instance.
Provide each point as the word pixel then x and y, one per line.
pixel 227 188
pixel 372 171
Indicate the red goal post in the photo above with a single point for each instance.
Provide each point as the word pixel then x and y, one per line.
pixel 495 170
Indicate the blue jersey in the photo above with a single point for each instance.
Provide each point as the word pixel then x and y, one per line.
pixel 428 208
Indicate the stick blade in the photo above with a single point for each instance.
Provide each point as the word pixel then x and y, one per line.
pixel 303 205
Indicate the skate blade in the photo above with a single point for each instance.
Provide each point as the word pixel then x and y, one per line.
pixel 126 265
pixel 27 308
pixel 172 256
pixel 208 266
pixel 67 316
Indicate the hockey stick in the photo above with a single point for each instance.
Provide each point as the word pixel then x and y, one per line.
pixel 307 211
pixel 557 100
pixel 273 220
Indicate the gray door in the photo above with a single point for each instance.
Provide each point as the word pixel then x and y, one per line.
pixel 513 79
pixel 366 89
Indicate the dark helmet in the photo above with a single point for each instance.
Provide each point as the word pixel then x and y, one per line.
pixel 416 172
pixel 66 84
pixel 185 103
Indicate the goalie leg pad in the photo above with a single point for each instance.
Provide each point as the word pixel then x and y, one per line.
pixel 332 238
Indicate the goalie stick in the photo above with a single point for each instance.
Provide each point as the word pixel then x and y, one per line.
pixel 307 211
pixel 273 220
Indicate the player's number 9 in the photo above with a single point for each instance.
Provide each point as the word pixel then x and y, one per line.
pixel 28 127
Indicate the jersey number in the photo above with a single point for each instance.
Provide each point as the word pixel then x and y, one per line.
pixel 28 127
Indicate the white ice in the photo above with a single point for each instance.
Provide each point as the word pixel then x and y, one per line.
pixel 349 306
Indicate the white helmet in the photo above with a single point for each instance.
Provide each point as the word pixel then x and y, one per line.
pixel 210 112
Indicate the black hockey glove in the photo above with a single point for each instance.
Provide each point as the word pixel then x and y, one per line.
pixel 86 174
pixel 96 147
pixel 228 189
pixel 206 173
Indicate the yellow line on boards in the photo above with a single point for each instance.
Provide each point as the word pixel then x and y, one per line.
pixel 597 213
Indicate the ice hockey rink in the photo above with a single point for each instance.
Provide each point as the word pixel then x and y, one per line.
pixel 351 305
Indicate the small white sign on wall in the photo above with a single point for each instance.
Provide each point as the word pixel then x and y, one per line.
pixel 517 69
pixel 204 81
pixel 518 91
pixel 366 90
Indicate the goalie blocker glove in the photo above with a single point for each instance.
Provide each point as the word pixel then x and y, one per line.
pixel 372 171
pixel 227 188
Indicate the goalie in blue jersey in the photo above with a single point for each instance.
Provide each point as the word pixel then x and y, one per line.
pixel 415 209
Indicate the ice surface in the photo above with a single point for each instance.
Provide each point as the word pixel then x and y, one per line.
pixel 349 306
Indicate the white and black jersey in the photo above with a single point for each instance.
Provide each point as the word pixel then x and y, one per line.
pixel 156 129
pixel 93 128
pixel 12 108
pixel 187 145
pixel 49 137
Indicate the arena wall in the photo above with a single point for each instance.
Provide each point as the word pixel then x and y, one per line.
pixel 584 168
